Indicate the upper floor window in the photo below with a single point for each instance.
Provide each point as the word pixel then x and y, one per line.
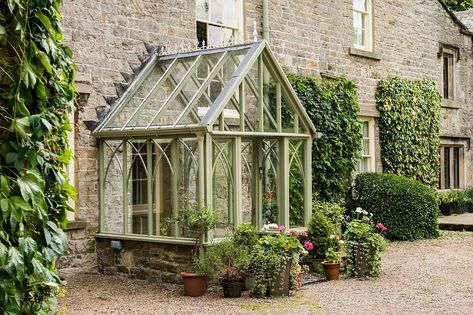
pixel 363 24
pixel 367 161
pixel 448 75
pixel 219 22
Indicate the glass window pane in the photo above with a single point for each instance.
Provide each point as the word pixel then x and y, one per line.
pixel 366 129
pixel 222 186
pixel 270 172
pixel 446 165
pixel 219 36
pixel 359 5
pixel 113 187
pixel 224 12
pixel 247 189
pixel 162 211
pixel 137 174
pixel 366 147
pixel 296 183
pixel 202 10
pixel 456 167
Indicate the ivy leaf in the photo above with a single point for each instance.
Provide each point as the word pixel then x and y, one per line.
pixel 27 75
pixel 27 245
pixel 6 207
pixel 4 186
pixel 21 126
pixel 20 203
pixel 46 23
pixel 15 258
pixel 19 108
pixel 3 254
pixel 31 184
pixel 45 62
pixel 2 30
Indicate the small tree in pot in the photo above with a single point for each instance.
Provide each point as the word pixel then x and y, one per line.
pixel 198 220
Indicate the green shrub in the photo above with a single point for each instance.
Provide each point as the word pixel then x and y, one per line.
pixel 332 106
pixel 408 208
pixel 454 197
pixel 325 221
pixel 409 128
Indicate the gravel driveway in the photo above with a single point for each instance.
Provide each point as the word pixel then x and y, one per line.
pixel 423 277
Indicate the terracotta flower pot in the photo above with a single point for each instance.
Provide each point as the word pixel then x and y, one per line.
pixel 331 270
pixel 194 285
pixel 300 278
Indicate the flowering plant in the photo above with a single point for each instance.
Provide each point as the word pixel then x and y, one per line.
pixel 364 243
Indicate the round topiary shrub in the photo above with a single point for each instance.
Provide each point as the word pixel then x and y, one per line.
pixel 407 207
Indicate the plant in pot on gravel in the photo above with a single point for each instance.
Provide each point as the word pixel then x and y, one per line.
pixel 234 262
pixel 198 221
pixel 364 243
pixel 332 264
pixel 271 260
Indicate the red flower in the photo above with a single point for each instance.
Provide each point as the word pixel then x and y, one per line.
pixel 309 246
pixel 381 227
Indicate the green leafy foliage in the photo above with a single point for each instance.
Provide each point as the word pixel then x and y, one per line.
pixel 35 99
pixel 407 207
pixel 325 227
pixel 409 128
pixel 364 244
pixel 333 107
pixel 459 5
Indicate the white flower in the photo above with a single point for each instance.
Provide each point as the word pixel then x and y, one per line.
pixel 365 212
pixel 341 241
pixel 273 226
pixel 332 237
pixel 371 214
pixel 359 210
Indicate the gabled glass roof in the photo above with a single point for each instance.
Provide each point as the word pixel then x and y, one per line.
pixel 237 88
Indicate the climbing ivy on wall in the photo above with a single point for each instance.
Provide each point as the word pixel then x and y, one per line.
pixel 332 106
pixel 459 5
pixel 409 128
pixel 36 95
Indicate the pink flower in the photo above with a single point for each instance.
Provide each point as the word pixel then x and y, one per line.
pixel 293 233
pixel 281 228
pixel 304 234
pixel 381 227
pixel 309 246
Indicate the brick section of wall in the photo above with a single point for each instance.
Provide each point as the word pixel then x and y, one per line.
pixel 144 260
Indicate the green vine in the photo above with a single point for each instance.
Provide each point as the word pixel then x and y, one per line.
pixel 409 128
pixel 36 95
pixel 333 108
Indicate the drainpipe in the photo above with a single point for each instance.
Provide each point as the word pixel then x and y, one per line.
pixel 266 20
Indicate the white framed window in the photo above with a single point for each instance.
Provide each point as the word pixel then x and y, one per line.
pixel 219 22
pixel 452 166
pixel 367 162
pixel 363 24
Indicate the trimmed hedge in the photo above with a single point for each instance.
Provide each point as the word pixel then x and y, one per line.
pixel 408 208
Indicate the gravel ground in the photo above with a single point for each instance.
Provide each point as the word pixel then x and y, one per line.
pixel 423 277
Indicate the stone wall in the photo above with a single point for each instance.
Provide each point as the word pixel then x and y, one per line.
pixel 144 260
pixel 307 36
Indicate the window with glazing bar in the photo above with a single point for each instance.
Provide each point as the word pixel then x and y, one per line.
pixel 451 167
pixel 363 24
pixel 218 22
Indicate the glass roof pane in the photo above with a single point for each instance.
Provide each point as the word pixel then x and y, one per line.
pixel 187 89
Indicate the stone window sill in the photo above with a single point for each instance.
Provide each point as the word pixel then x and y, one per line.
pixel 76 225
pixel 453 104
pixel 364 53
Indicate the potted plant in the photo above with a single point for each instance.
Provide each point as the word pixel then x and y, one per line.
pixel 331 264
pixel 198 221
pixel 364 242
pixel 271 260
pixel 245 237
